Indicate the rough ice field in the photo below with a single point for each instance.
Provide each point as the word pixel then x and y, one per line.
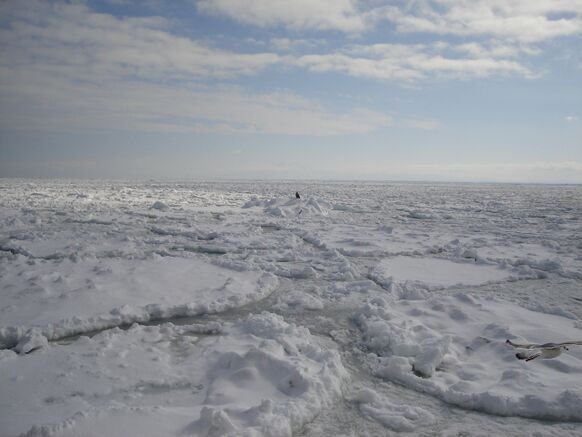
pixel 362 309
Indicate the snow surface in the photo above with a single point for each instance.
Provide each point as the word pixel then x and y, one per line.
pixel 228 309
pixel 434 272
pixel 454 347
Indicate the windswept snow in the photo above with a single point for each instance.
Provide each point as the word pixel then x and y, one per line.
pixel 438 273
pixel 72 297
pixel 228 309
pixel 396 417
pixel 454 347
pixel 260 375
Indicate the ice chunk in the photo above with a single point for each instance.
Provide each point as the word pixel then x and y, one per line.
pixel 32 340
pixel 159 205
pixel 464 360
pixel 397 417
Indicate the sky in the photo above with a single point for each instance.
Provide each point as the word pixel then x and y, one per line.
pixel 437 90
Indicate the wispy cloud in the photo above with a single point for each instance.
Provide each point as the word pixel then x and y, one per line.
pixel 400 62
pixel 340 15
pixel 519 20
pixel 73 41
pixel 57 104
pixel 66 67
pixel 494 36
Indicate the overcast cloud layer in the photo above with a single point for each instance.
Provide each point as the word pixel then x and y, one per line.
pixel 370 89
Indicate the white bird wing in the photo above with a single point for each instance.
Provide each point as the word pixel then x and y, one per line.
pixel 525 345
pixel 542 346
pixel 566 343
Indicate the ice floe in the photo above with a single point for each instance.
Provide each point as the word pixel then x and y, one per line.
pixel 435 273
pixel 396 417
pixel 74 297
pixel 259 376
pixel 454 348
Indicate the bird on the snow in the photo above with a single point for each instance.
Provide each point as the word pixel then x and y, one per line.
pixel 545 351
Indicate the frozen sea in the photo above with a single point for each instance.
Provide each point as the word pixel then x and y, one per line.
pixel 235 309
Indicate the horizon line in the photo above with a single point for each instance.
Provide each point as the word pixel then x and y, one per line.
pixel 288 180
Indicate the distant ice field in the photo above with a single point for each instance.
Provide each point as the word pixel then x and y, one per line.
pixel 233 308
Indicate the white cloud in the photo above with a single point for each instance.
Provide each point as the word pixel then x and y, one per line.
pixel 495 49
pixel 520 20
pixel 409 63
pixel 68 68
pixel 571 118
pixel 512 31
pixel 340 15
pixel 39 102
pixel 71 40
pixel 64 66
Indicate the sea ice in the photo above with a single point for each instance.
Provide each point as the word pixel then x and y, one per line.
pixel 259 375
pixel 454 348
pixel 71 297
pixel 438 273
pixel 233 308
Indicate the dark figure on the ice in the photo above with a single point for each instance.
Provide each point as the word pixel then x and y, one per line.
pixel 297 196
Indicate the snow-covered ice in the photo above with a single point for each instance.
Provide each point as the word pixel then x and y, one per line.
pixel 72 297
pixel 454 347
pixel 258 375
pixel 233 308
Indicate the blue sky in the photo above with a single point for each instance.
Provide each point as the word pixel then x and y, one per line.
pixel 481 90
